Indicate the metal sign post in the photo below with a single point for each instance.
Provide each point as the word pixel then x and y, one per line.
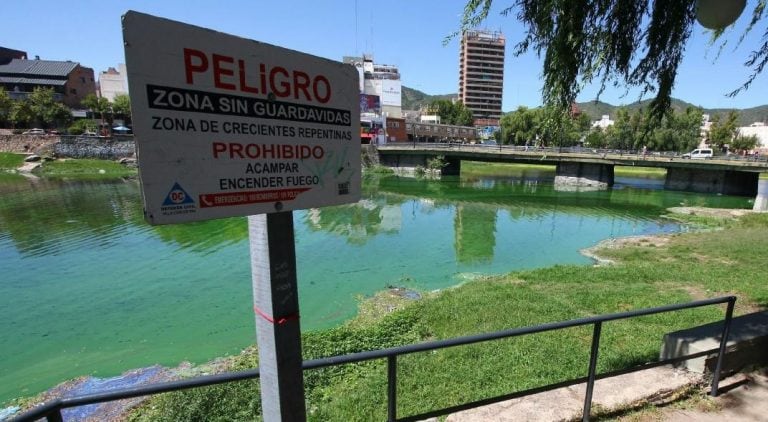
pixel 276 306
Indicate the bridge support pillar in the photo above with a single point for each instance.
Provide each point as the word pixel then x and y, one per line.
pixel 726 182
pixel 584 175
pixel 409 163
pixel 403 162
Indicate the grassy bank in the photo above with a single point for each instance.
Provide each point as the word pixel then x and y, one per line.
pixel 474 168
pixel 84 168
pixel 10 161
pixel 681 268
pixel 70 168
pixel 637 171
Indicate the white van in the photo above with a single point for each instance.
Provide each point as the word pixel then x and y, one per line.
pixel 699 153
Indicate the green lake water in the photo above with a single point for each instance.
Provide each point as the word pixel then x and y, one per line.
pixel 88 288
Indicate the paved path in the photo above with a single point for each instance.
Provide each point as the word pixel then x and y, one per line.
pixel 567 403
pixel 744 399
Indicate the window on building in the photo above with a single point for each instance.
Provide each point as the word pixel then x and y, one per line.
pixel 82 79
pixel 73 91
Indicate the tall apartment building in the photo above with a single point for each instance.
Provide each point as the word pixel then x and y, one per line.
pixel 481 75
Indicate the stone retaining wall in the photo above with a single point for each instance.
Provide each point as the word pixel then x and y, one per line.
pixel 27 143
pixel 69 146
pixel 106 150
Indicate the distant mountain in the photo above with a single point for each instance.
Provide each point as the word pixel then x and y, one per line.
pixel 413 99
pixel 747 116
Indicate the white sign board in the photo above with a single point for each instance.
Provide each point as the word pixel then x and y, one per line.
pixel 227 126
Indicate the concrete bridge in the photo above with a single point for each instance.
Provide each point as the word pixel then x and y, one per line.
pixel 731 175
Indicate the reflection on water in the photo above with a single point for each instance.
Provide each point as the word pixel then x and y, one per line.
pixel 475 234
pixel 87 287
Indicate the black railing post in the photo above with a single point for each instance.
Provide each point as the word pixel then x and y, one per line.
pixel 55 416
pixel 392 388
pixel 723 344
pixel 592 370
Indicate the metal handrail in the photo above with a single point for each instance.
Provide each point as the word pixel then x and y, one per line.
pixel 52 410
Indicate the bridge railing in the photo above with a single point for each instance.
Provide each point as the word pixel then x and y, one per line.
pixel 53 409
pixel 761 158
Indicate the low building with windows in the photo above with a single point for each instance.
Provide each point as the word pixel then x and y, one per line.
pixel 70 81
pixel 432 132
pixel 8 54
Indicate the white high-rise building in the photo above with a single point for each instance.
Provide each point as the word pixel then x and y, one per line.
pixel 113 82
pixel 381 80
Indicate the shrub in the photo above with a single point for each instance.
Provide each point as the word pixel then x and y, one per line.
pixel 81 126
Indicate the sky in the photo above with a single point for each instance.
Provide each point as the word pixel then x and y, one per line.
pixel 408 34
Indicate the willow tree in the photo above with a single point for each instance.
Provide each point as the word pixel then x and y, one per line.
pixel 631 43
pixel 451 113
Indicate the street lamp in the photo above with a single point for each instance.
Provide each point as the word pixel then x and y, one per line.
pixel 501 133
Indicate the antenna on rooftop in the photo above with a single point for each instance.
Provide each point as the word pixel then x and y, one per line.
pixel 370 22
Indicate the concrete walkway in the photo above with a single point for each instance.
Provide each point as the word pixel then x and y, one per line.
pixel 743 398
pixel 565 404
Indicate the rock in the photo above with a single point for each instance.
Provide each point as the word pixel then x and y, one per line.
pixel 112 410
pixel 32 158
pixel 28 167
pixel 405 293
pixel 8 412
pixel 128 162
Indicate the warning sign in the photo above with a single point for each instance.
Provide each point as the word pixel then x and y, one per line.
pixel 226 126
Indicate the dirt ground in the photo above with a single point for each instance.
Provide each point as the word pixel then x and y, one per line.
pixel 743 398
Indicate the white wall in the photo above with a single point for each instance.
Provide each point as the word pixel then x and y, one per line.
pixel 758 129
pixel 111 85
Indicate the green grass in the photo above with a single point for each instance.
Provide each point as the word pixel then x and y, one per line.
pixel 11 161
pixel 688 267
pixel 647 172
pixel 85 169
pixel 70 168
pixel 473 168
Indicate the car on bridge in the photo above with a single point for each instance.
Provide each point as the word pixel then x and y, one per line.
pixel 699 153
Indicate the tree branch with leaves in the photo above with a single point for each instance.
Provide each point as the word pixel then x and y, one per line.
pixel 629 43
